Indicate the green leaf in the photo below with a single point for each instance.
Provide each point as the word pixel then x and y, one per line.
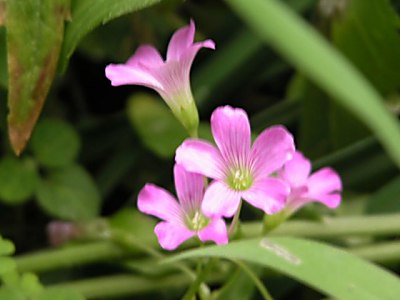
pixel 386 199
pixel 314 56
pixel 18 179
pixel 88 14
pixel 238 287
pixel 59 294
pixel 34 36
pixel 55 143
pixel 6 265
pixel 328 269
pixel 70 194
pixel 367 33
pixel 314 138
pixel 136 223
pixel 159 130
pixel 30 284
pixel 3 57
pixel 6 247
pixel 377 56
pixel 11 293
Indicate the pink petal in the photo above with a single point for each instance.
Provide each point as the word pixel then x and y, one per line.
pixel 146 56
pixel 123 75
pixel 220 200
pixel 330 200
pixel 189 188
pixel 180 41
pixel 171 235
pixel 200 157
pixel 157 202
pixel 231 131
pixel 175 80
pixel 215 231
pixel 273 147
pixel 296 170
pixel 268 195
pixel 324 181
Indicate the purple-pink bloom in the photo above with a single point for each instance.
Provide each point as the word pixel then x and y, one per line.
pixel 169 78
pixel 185 219
pixel 239 170
pixel 322 186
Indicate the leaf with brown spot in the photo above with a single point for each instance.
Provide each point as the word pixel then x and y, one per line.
pixel 35 30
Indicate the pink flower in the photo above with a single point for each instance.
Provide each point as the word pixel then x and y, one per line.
pixel 322 186
pixel 239 169
pixel 169 78
pixel 185 219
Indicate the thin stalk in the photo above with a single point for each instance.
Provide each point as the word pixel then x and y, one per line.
pixel 92 252
pixel 72 255
pixel 124 285
pixel 261 287
pixel 374 225
pixel 131 242
pixel 383 253
pixel 203 271
pixel 235 220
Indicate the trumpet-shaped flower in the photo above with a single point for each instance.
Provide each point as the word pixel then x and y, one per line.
pixel 169 78
pixel 322 186
pixel 241 171
pixel 185 219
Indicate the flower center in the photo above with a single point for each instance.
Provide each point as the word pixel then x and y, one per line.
pixel 239 179
pixel 197 221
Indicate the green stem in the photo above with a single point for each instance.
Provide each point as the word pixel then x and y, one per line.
pixel 374 225
pixel 70 256
pixel 123 285
pixel 87 253
pixel 384 253
pixel 235 220
pixel 261 287
pixel 202 272
pixel 132 243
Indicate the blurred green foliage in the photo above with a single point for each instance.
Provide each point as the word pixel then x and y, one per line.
pixel 95 146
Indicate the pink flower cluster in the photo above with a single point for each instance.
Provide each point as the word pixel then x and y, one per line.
pixel 268 174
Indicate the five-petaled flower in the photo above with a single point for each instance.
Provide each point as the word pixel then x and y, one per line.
pixel 322 186
pixel 185 219
pixel 169 78
pixel 239 170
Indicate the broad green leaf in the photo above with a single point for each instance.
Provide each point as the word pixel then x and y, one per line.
pixel 19 179
pixel 160 131
pixel 88 14
pixel 59 294
pixel 330 270
pixel 69 193
pixel 386 199
pixel 55 143
pixel 307 50
pixel 34 35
